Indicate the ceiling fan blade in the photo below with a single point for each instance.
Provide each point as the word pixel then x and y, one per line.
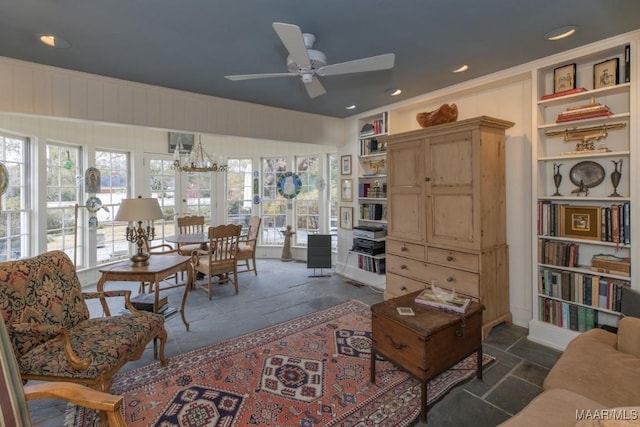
pixel 236 77
pixel 315 88
pixel 373 63
pixel 293 40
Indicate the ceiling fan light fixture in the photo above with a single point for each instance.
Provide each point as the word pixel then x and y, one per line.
pixel 461 68
pixel 52 40
pixel 393 91
pixel 561 33
pixel 350 107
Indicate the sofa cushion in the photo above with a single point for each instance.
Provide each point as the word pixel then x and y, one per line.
pixel 592 366
pixel 124 336
pixel 552 408
pixel 629 335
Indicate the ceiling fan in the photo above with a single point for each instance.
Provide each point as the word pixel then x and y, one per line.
pixel 309 63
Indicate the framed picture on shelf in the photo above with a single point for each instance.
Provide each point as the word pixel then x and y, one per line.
pixel 564 78
pixel 346 192
pixel 582 222
pixel 345 165
pixel 346 217
pixel 606 73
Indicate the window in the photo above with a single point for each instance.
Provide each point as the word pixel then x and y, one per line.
pixel 14 217
pixel 64 170
pixel 199 190
pixel 114 186
pixel 274 206
pixel 239 191
pixel 332 198
pixel 163 187
pixel 307 202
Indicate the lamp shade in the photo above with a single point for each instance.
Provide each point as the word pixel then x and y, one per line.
pixel 139 210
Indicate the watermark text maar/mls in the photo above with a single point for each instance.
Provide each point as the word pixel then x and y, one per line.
pixel 618 414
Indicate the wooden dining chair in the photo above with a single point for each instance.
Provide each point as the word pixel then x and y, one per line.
pixel 189 225
pixel 248 243
pixel 221 257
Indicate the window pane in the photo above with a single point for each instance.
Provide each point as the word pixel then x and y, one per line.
pixel 14 216
pixel 307 202
pixel 274 206
pixel 239 191
pixel 114 186
pixel 63 192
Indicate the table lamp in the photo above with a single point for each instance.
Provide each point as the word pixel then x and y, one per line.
pixel 139 210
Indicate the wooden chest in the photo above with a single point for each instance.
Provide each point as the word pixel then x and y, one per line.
pixel 428 343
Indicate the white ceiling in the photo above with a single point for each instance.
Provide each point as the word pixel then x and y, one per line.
pixel 191 45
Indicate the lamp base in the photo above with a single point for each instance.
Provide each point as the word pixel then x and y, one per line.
pixel 140 260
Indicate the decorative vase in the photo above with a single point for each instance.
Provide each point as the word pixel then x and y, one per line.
pixel 615 177
pixel 557 178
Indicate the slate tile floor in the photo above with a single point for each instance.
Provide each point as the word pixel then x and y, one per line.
pixel 283 291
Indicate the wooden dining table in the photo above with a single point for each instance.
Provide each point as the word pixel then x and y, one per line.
pixel 189 239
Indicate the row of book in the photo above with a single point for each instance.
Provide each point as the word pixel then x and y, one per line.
pixel 372 211
pixel 584 112
pixel 374 128
pixel 564 254
pixel 374 265
pixel 365 189
pixel 615 221
pixel 583 288
pixel 568 316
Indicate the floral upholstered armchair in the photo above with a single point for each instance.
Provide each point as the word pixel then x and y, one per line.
pixel 51 331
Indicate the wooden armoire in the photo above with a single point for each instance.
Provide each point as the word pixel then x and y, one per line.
pixel 447 214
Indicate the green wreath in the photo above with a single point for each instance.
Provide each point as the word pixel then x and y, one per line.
pixel 289 185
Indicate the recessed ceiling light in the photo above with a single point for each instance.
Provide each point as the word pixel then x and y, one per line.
pixel 350 107
pixel 561 33
pixel 461 68
pixel 393 92
pixel 52 40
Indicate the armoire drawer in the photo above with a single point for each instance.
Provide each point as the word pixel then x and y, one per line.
pixel 451 278
pixel 400 285
pixel 399 247
pixel 456 259
pixel 407 267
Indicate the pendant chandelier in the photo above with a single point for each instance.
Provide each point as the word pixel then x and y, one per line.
pixel 197 160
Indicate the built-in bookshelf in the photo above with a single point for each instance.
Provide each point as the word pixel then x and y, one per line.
pixel 372 194
pixel 583 185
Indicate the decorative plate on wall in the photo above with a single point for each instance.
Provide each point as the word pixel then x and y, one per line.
pixel 588 174
pixel 289 185
pixel 93 204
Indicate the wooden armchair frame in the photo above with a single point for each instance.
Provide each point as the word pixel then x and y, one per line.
pixel 14 398
pixel 56 339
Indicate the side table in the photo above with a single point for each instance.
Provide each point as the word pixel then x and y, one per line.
pixel 159 267
pixel 426 344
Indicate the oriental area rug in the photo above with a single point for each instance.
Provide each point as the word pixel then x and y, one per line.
pixel 310 371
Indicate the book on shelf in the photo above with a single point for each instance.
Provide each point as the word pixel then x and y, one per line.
pixel 584 112
pixel 434 296
pixel 563 93
pixel 627 64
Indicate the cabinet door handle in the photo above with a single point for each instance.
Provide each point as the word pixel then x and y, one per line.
pixel 450 279
pixel 427 179
pixel 397 346
pixel 403 249
pixel 404 288
pixel 403 267
pixel 449 258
